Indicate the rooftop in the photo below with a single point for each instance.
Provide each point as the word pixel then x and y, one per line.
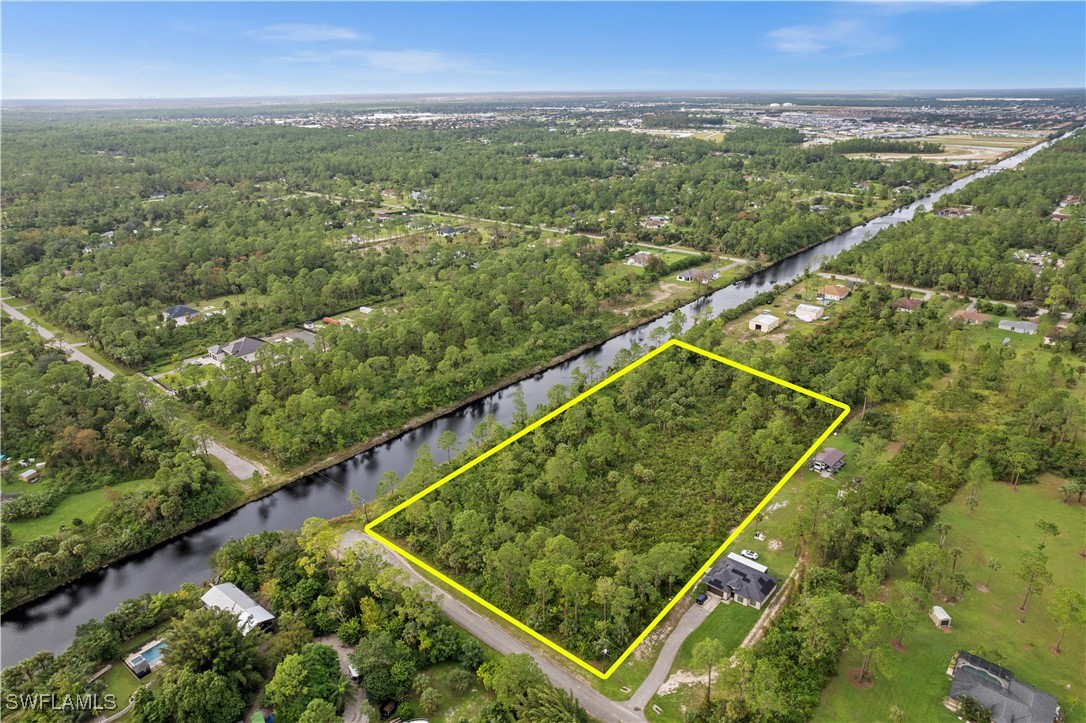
pixel 995 688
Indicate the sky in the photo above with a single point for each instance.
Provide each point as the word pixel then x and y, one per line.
pixel 254 49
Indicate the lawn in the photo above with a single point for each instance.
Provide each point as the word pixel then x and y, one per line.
pixel 1001 526
pixel 727 623
pixel 454 706
pixel 84 505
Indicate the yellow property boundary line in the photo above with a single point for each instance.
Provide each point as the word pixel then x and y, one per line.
pixel 369 529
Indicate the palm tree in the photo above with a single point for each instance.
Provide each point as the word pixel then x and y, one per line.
pixel 943 528
pixel 993 566
pixel 550 705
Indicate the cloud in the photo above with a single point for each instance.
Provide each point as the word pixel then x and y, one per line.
pixel 306 33
pixel 401 62
pixel 843 38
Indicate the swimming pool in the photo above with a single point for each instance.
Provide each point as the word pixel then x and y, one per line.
pixel 152 654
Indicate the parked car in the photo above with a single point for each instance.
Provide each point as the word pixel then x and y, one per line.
pixel 701 599
pixel 749 554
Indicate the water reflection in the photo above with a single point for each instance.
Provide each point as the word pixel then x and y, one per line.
pixel 49 623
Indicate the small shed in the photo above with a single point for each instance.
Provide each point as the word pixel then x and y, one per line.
pixel 29 475
pixel 939 617
pixel 764 323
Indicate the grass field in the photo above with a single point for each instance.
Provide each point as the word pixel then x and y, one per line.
pixel 1002 526
pixel 84 505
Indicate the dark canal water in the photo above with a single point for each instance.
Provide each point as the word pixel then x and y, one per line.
pixel 49 623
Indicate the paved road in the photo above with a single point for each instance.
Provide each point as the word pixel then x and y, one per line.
pixel 238 466
pixel 597 704
pixel 72 349
pixel 688 623
pixel 838 277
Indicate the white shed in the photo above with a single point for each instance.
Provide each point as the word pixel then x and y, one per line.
pixel 939 617
pixel 764 323
pixel 808 312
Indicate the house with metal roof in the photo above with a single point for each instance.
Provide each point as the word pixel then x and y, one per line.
pixel 1018 327
pixel 228 596
pixel 828 460
pixel 996 689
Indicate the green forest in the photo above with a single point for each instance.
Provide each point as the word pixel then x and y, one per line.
pixel 214 671
pixel 91 435
pixel 200 213
pixel 975 255
pixel 587 526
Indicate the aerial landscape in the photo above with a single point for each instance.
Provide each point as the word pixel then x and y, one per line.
pixel 693 363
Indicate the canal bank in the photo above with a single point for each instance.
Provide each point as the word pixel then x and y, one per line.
pixel 48 623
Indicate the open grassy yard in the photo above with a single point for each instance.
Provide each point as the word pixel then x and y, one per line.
pixel 84 505
pixel 727 623
pixel 986 623
pixel 454 707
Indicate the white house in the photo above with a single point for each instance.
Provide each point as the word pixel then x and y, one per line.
pixel 809 312
pixel 641 258
pixel 229 597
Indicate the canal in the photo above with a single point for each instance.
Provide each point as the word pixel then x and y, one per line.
pixel 49 622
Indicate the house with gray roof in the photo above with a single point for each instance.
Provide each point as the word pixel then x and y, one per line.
pixel 180 314
pixel 746 582
pixel 828 460
pixel 243 348
pixel 996 689
pixel 1018 327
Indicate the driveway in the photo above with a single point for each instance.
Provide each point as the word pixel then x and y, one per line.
pixel 352 712
pixel 688 623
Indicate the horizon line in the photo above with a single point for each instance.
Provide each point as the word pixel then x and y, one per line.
pixel 452 95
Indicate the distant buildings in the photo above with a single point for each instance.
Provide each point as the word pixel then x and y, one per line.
pixel 641 258
pixel 655 221
pixel 954 212
pixel 450 231
pixel 698 275
pixel 294 335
